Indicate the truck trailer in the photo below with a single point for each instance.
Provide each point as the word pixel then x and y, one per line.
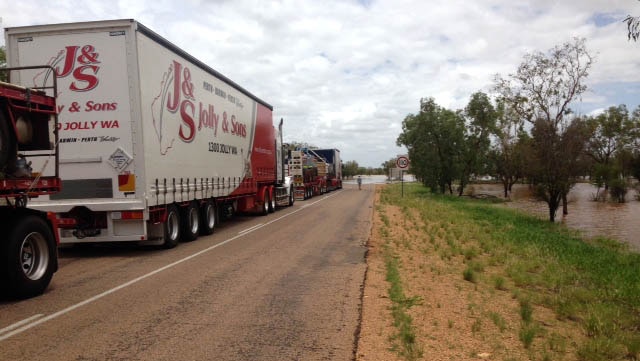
pixel 309 174
pixel 28 246
pixel 334 167
pixel 155 145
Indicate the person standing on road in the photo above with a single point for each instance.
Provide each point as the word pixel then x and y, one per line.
pixel 359 182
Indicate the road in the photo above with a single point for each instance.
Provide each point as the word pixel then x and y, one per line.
pixel 286 286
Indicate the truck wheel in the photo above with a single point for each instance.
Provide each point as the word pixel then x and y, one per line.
pixel 292 197
pixel 171 227
pixel 29 258
pixel 207 218
pixel 265 203
pixel 190 222
pixel 272 201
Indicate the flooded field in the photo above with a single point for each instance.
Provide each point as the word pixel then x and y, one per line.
pixel 619 221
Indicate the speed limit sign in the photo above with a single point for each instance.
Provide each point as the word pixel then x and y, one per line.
pixel 402 162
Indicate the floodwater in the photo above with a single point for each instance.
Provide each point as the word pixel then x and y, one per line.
pixel 619 221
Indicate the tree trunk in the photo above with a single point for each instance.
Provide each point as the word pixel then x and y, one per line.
pixel 552 212
pixel 565 209
pixel 554 203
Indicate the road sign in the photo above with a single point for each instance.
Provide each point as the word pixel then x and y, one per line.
pixel 402 162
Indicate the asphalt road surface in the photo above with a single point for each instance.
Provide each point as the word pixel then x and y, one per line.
pixel 286 286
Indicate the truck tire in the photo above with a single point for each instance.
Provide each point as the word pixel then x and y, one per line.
pixel 190 222
pixel 208 218
pixel 272 201
pixel 28 257
pixel 171 227
pixel 7 142
pixel 265 203
pixel 292 197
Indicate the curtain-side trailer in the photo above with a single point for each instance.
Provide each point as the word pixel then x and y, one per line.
pixel 154 144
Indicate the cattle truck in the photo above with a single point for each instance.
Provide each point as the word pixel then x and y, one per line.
pixel 28 243
pixel 155 145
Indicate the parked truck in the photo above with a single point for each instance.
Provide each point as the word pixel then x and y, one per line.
pixel 28 243
pixel 155 145
pixel 309 174
pixel 334 167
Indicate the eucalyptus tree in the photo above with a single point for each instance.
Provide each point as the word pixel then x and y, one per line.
pixel 474 151
pixel 540 92
pixel 434 138
pixel 610 145
pixel 509 149
pixel 633 27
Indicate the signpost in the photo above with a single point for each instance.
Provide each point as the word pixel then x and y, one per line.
pixel 402 163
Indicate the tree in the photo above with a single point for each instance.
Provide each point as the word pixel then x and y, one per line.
pixel 475 149
pixel 540 93
pixel 3 63
pixel 633 27
pixel 434 138
pixel 388 165
pixel 610 145
pixel 350 168
pixel 509 151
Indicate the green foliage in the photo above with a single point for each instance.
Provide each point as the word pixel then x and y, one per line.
pixel 613 137
pixel 593 285
pixel 410 349
pixel 3 63
pixel 527 333
pixel 498 320
pixel 469 275
pixel 540 93
pixel 349 168
pixel 618 189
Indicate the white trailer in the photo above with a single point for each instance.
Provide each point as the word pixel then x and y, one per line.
pixel 154 144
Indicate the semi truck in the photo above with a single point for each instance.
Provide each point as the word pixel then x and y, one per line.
pixel 334 167
pixel 28 245
pixel 155 145
pixel 315 171
pixel 309 174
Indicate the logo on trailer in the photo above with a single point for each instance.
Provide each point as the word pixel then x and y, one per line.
pixel 176 101
pixel 81 63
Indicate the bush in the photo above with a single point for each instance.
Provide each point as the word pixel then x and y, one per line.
pixel 618 190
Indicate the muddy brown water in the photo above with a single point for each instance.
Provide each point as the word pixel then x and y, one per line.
pixel 619 221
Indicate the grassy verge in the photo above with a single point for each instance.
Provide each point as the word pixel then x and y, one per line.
pixel 593 285
pixel 405 337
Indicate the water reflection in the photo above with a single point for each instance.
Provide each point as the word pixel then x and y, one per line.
pixel 613 220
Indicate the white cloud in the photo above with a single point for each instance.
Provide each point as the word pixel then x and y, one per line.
pixel 344 74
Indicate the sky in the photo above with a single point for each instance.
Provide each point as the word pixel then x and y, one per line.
pixel 344 74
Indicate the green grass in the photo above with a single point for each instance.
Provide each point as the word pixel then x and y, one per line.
pixel 407 345
pixel 594 284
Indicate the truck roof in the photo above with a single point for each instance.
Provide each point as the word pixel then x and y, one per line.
pixel 76 26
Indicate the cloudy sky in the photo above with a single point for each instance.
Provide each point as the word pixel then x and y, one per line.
pixel 344 74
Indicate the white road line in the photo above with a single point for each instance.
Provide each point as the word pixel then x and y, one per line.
pixel 21 328
pixel 251 229
pixel 20 323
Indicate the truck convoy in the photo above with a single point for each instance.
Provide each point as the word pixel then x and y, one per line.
pixel 315 171
pixel 28 247
pixel 155 146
